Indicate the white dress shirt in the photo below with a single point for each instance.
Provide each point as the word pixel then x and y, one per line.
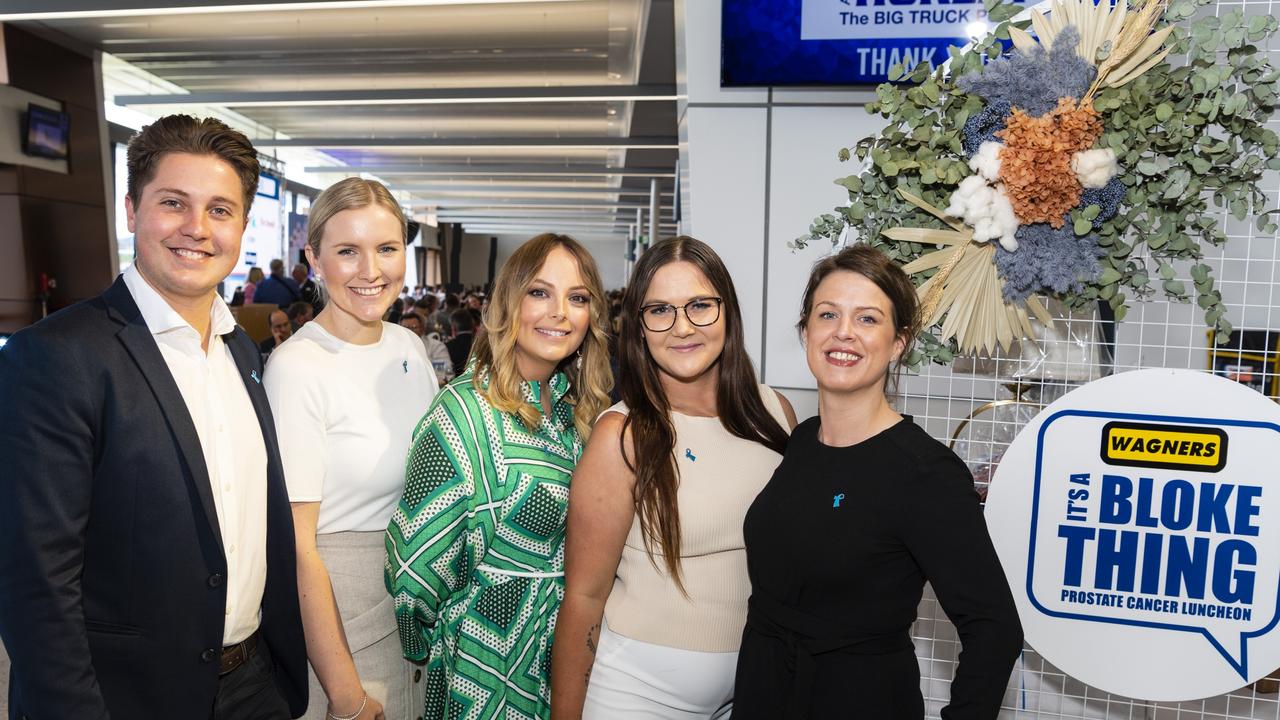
pixel 235 454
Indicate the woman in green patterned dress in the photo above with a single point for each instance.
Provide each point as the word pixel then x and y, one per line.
pixel 475 550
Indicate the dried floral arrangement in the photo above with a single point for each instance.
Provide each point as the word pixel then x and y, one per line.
pixel 1067 165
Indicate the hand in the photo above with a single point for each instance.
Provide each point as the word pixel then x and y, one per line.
pixel 372 710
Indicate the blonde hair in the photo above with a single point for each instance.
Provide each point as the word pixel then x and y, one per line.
pixel 495 349
pixel 256 275
pixel 351 193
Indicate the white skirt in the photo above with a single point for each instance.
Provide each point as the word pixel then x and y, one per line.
pixel 635 680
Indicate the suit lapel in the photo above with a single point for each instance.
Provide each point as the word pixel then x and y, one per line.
pixel 249 362
pixel 137 340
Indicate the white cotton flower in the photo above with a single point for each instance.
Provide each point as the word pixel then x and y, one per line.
pixel 985 229
pixel 964 196
pixel 1095 168
pixel 987 210
pixel 986 162
pixel 1003 215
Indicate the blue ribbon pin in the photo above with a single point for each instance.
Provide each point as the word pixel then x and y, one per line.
pixel 254 375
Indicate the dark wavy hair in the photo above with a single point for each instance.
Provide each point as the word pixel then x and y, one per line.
pixel 738 402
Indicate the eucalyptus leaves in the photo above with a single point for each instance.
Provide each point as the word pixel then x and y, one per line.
pixel 1178 133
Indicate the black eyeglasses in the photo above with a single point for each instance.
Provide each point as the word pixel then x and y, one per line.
pixel 661 317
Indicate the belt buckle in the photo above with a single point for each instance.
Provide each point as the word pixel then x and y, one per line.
pixel 233 656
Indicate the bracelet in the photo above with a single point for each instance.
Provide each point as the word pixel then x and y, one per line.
pixel 364 700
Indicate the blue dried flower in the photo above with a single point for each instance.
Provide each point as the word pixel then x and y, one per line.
pixel 983 127
pixel 1108 197
pixel 1035 80
pixel 1048 260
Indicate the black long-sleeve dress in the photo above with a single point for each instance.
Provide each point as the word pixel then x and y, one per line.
pixel 839 546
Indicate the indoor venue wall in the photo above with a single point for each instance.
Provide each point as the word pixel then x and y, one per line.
pixel 50 222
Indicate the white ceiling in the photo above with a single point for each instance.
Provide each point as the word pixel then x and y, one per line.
pixel 367 48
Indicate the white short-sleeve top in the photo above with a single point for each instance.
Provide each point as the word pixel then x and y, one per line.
pixel 344 416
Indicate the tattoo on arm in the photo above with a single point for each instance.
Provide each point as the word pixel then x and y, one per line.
pixel 591 645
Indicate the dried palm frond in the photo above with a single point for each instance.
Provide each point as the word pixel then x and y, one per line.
pixel 1127 38
pixel 1098 25
pixel 1022 39
pixel 966 293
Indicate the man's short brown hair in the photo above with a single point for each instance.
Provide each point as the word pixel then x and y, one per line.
pixel 185 134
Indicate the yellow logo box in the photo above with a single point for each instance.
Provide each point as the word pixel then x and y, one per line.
pixel 1173 447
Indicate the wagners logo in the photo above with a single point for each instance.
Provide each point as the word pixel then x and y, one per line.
pixel 1172 447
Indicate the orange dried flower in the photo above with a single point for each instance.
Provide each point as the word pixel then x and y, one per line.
pixel 1035 164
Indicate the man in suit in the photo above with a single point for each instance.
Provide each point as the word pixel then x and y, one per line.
pixel 147 562
pixel 459 345
pixel 307 288
pixel 276 289
pixel 281 330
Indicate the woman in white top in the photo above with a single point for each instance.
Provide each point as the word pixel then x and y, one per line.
pixel 346 391
pixel 655 578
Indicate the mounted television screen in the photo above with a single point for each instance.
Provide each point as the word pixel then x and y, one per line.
pixel 839 42
pixel 48 132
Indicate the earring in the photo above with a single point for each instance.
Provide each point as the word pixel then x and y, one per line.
pixel 577 364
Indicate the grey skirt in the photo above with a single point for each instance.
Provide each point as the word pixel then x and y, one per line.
pixel 355 561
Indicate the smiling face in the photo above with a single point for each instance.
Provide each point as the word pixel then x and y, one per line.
pixel 850 340
pixel 555 313
pixel 187 224
pixel 361 261
pixel 686 351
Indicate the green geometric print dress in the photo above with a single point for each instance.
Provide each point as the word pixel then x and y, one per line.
pixel 475 552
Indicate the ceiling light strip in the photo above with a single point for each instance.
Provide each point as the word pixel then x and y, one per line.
pixel 520 143
pixel 494 171
pixel 444 191
pixel 24 10
pixel 425 96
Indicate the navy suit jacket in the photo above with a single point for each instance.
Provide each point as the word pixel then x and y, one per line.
pixel 277 290
pixel 112 572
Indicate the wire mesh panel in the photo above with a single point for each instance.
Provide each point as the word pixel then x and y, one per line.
pixel 979 406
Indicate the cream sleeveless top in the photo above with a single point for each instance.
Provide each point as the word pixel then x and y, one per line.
pixel 720 476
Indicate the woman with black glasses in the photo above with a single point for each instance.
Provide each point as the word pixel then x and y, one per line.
pixel 655 577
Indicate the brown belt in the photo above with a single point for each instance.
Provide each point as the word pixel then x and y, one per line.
pixel 233 656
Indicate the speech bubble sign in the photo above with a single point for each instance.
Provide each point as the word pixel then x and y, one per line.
pixel 1138 520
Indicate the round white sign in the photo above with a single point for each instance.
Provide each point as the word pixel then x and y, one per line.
pixel 1138 521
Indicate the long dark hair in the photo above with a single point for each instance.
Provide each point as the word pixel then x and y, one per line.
pixel 738 402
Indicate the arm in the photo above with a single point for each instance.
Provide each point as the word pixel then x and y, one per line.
pixel 47 433
pixel 431 521
pixel 787 410
pixel 300 418
pixel 948 538
pixel 600 515
pixel 327 647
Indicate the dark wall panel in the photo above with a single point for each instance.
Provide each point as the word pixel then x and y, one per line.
pixel 52 222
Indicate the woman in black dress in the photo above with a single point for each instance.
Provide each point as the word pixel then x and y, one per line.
pixel 865 508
